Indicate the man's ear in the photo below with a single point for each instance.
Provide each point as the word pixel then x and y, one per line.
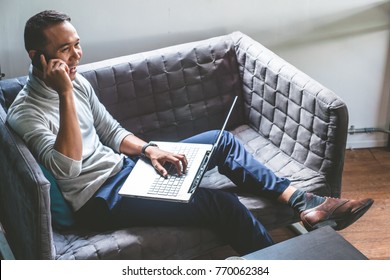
pixel 31 53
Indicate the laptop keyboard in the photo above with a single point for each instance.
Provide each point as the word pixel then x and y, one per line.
pixel 170 186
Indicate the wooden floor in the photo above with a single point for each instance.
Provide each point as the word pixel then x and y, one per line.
pixel 366 174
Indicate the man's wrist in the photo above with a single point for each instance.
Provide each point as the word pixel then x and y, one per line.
pixel 144 147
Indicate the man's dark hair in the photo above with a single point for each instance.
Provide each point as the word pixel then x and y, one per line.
pixel 34 38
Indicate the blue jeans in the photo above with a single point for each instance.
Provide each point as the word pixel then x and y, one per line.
pixel 216 209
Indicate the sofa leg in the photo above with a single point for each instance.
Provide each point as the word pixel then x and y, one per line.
pixel 298 228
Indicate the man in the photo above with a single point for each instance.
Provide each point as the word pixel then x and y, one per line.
pixel 70 132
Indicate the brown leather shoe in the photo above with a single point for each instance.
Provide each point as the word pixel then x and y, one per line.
pixel 335 212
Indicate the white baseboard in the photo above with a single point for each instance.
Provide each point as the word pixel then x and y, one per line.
pixel 367 140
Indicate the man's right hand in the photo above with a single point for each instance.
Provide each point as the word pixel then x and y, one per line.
pixel 56 75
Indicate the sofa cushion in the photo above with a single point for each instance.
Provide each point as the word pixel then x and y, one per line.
pixel 61 212
pixel 135 243
pixel 9 88
pixel 271 215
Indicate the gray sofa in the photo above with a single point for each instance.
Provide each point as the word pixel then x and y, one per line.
pixel 290 122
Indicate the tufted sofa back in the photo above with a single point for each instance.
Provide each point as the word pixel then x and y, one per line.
pixel 172 93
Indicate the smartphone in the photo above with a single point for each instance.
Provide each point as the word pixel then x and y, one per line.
pixel 36 60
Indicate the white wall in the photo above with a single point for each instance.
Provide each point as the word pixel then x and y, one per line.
pixel 342 44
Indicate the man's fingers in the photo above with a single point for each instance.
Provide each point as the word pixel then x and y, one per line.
pixel 180 163
pixel 183 162
pixel 160 169
pixel 43 62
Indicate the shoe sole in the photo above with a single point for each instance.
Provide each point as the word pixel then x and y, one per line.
pixel 342 222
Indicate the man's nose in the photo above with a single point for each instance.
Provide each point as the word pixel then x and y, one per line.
pixel 76 53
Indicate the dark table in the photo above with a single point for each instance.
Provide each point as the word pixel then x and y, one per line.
pixel 320 244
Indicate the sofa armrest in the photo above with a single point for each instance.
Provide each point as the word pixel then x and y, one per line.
pixel 9 88
pixel 24 198
pixel 307 121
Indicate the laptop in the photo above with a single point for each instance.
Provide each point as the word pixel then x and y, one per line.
pixel 144 181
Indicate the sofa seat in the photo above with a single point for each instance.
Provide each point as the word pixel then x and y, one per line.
pixel 183 242
pixel 135 243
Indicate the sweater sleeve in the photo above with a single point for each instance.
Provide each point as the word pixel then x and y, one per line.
pixel 28 122
pixel 110 132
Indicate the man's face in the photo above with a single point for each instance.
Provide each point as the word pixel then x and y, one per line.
pixel 63 42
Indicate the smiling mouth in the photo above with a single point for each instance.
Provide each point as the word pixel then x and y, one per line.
pixel 73 69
